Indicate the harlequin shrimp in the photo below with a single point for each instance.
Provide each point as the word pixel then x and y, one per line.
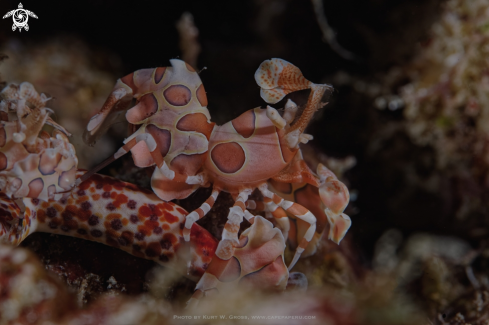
pixel 173 131
pixel 32 162
pixel 38 194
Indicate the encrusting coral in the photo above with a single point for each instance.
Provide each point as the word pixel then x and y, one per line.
pixel 30 295
pixel 447 100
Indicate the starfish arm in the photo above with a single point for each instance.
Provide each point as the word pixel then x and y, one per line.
pixel 8 14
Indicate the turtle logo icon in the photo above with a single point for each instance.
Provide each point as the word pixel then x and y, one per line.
pixel 20 17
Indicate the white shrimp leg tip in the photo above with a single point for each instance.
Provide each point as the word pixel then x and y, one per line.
pixel 297 255
pixel 195 180
pixel 19 137
pixel 186 236
pixel 189 222
pixel 275 117
pixel 305 138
